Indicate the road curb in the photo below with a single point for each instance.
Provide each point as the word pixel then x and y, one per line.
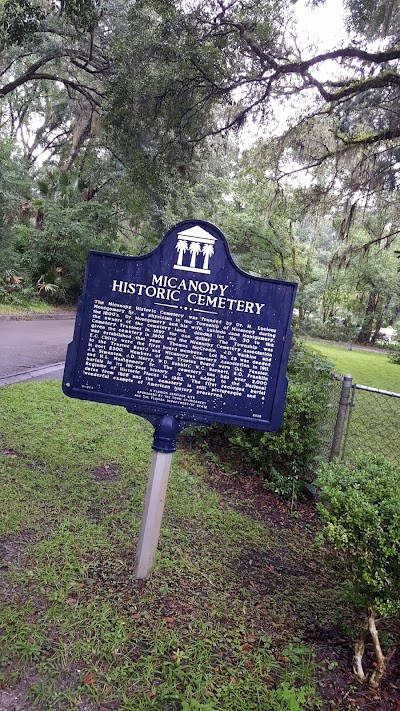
pixel 38 317
pixel 32 374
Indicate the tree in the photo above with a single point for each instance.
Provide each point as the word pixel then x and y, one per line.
pixel 239 57
pixel 139 96
pixel 181 247
pixel 50 41
pixel 381 286
pixel 362 272
pixel 194 250
pixel 200 69
pixel 191 71
pixel 54 57
pixel 211 66
pixel 207 251
pixel 14 205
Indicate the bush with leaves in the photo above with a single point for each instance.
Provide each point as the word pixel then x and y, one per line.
pixel 14 192
pixel 53 257
pixel 282 458
pixel 331 330
pixel 361 516
pixel 394 356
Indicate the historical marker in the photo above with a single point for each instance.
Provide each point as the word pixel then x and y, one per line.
pixel 181 335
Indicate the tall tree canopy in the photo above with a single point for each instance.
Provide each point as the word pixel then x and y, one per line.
pixel 209 65
pixel 171 74
pixel 140 101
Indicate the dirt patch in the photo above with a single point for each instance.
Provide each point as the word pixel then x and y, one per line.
pixel 12 549
pixel 16 698
pixel 262 566
pixel 12 555
pixel 11 701
pixel 242 491
pixel 247 495
pixel 107 472
pixel 9 452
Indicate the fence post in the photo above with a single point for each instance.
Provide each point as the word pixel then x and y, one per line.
pixel 341 416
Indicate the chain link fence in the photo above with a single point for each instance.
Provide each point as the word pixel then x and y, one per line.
pixel 367 422
pixel 373 424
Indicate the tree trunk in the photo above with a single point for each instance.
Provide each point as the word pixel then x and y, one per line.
pixel 369 626
pixel 359 648
pixel 380 668
pixel 367 325
pixel 300 302
pixel 379 319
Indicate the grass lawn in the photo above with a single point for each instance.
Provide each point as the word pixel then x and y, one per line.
pixel 241 611
pixel 366 367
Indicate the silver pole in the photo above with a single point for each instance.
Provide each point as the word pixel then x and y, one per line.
pixel 152 514
pixel 341 416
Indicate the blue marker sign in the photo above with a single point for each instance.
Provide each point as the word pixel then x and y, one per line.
pixel 182 332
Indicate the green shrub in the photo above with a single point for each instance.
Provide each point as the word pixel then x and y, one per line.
pixel 17 294
pixel 394 356
pixel 282 457
pixel 361 515
pixel 51 261
pixel 332 329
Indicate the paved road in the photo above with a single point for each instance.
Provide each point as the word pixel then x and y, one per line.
pixel 27 345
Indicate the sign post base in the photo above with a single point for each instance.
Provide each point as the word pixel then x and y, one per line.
pixel 152 514
pixel 164 444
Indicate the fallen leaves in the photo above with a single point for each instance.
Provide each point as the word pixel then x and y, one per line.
pixel 89 679
pixel 169 621
pixel 71 600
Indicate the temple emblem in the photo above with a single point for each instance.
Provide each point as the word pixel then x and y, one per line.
pixel 194 247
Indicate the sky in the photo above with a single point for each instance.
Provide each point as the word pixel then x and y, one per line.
pixel 323 26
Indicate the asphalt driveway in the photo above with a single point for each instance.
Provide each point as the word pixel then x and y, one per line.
pixel 34 348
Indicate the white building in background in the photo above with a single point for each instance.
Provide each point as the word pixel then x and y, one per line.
pixel 388 334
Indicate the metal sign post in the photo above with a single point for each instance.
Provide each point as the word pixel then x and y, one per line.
pixel 152 514
pixel 177 336
pixel 164 445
